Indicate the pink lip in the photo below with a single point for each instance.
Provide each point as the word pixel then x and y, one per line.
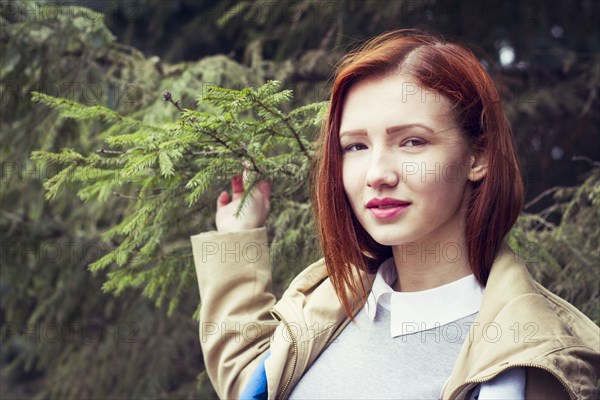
pixel 387 201
pixel 393 207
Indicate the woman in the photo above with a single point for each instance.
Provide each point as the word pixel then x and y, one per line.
pixel 416 185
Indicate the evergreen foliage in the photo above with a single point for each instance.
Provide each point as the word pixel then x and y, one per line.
pixel 561 243
pixel 164 170
pixel 57 324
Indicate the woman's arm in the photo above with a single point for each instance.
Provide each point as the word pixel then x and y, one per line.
pixel 234 278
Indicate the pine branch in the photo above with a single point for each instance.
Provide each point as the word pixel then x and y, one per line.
pixel 168 97
pixel 287 123
pixel 134 197
pixel 171 166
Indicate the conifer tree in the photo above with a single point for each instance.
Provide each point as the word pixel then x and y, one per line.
pixel 61 335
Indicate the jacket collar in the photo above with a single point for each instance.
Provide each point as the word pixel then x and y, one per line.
pixel 518 326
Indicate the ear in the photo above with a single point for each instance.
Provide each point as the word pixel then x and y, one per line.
pixel 477 166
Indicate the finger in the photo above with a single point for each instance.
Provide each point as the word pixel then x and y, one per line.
pixel 223 199
pixel 265 188
pixel 237 187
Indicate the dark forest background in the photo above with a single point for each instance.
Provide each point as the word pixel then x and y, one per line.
pixel 63 336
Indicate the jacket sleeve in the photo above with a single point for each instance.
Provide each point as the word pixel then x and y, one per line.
pixel 234 278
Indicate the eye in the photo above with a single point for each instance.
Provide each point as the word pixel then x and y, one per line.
pixel 414 142
pixel 354 147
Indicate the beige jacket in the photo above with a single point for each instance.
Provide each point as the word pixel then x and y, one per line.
pixel 520 324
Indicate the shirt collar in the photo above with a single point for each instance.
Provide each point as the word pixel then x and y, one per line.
pixel 413 312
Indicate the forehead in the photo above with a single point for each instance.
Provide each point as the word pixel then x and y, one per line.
pixel 378 102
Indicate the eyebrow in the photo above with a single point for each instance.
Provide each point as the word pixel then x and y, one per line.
pixel 392 130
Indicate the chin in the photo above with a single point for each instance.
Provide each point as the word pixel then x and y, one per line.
pixel 388 240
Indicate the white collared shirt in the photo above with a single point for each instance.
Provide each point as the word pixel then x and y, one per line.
pixel 413 312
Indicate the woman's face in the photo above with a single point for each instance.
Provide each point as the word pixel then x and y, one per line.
pixel 405 162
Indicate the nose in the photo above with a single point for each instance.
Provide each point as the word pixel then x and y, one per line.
pixel 382 171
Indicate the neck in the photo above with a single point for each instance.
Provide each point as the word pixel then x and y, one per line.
pixel 426 265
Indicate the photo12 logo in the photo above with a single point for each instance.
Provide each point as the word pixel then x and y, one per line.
pixel 49 11
pixel 69 332
pixel 89 93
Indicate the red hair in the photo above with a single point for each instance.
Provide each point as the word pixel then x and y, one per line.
pixel 453 71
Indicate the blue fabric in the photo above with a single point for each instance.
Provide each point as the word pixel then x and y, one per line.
pixel 257 387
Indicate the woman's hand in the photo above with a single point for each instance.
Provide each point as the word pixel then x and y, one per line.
pixel 255 210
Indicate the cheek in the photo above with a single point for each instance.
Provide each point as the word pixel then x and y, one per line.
pixel 440 182
pixel 454 173
pixel 346 179
pixel 351 181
